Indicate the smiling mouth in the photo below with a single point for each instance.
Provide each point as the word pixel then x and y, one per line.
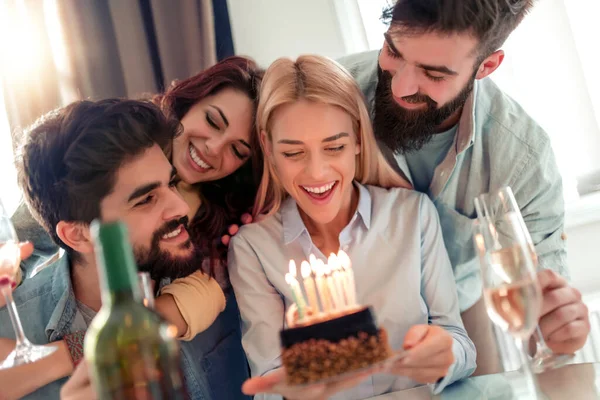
pixel 173 233
pixel 195 156
pixel 320 192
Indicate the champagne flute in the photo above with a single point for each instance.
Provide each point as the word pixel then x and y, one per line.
pixel 544 358
pixel 511 290
pixel 146 291
pixel 10 257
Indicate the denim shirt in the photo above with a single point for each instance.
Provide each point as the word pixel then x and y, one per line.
pixel 401 269
pixel 213 363
pixel 497 144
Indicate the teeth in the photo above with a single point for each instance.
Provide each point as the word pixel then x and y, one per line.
pixel 319 189
pixel 172 234
pixel 197 158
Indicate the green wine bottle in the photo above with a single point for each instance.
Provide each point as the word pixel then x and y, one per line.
pixel 131 351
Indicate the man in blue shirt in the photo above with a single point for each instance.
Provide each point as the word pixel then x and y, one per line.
pixel 454 134
pixel 104 160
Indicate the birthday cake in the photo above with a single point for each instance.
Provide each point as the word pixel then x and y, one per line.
pixel 331 335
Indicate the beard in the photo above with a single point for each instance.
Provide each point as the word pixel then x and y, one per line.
pixel 161 264
pixel 404 131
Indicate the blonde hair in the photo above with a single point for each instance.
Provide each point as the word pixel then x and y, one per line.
pixel 321 80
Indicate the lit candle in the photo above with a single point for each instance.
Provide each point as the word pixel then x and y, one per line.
pixel 332 288
pixel 339 278
pixel 309 286
pixel 346 264
pixel 318 270
pixel 297 295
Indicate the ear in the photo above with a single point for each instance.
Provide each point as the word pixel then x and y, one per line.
pixel 266 143
pixel 76 235
pixel 357 135
pixel 490 64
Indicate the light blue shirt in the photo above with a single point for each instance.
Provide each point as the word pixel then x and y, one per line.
pixel 422 163
pixel 401 269
pixel 497 145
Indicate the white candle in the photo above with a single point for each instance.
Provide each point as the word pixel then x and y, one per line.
pixel 290 278
pixel 337 305
pixel 339 278
pixel 318 269
pixel 309 286
pixel 346 264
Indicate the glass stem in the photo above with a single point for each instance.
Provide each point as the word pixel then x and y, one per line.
pixel 14 315
pixel 527 372
pixel 541 346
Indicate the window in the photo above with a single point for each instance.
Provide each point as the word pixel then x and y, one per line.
pixel 9 191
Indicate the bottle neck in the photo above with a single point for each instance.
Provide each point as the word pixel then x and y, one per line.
pixel 116 265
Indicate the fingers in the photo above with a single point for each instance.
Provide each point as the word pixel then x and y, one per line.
pixel 415 335
pixel 233 229
pixel 246 218
pixel 225 239
pixel 561 317
pixel 78 387
pixel 436 341
pixel 549 279
pixel 263 383
pixel 559 297
pixel 26 249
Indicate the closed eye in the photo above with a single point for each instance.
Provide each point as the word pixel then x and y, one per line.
pixel 238 154
pixel 291 154
pixel 434 78
pixel 212 122
pixel 147 200
pixel 336 149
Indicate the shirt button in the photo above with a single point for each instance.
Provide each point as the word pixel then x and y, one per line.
pixel 443 173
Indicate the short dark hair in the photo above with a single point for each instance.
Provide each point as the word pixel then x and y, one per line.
pixel 490 21
pixel 68 159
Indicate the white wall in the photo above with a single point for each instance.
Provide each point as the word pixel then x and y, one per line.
pixel 268 29
pixel 583 254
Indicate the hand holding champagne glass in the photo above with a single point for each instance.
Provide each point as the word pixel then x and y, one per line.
pixel 512 293
pixel 10 257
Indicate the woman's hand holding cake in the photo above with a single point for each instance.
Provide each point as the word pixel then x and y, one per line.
pixel 429 356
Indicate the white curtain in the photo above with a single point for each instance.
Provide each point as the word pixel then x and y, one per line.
pixel 551 69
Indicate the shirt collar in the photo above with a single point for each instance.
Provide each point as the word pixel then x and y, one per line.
pixel 293 226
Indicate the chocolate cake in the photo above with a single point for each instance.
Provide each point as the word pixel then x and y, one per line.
pixel 326 348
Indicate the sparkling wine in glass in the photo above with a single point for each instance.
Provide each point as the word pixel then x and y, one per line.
pixel 544 357
pixel 10 257
pixel 511 290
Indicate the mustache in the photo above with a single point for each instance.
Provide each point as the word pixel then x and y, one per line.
pixel 420 98
pixel 170 227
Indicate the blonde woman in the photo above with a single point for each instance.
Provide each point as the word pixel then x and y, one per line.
pixel 323 189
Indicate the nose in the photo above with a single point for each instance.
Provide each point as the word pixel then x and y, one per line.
pixel 175 207
pixel 316 167
pixel 404 82
pixel 214 146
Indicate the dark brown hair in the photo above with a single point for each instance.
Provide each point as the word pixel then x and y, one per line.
pixel 226 199
pixel 490 21
pixel 68 159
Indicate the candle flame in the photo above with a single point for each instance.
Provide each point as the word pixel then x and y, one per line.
pixel 312 259
pixel 333 261
pixel 289 279
pixel 344 260
pixel 293 268
pixel 305 269
pixel 319 267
